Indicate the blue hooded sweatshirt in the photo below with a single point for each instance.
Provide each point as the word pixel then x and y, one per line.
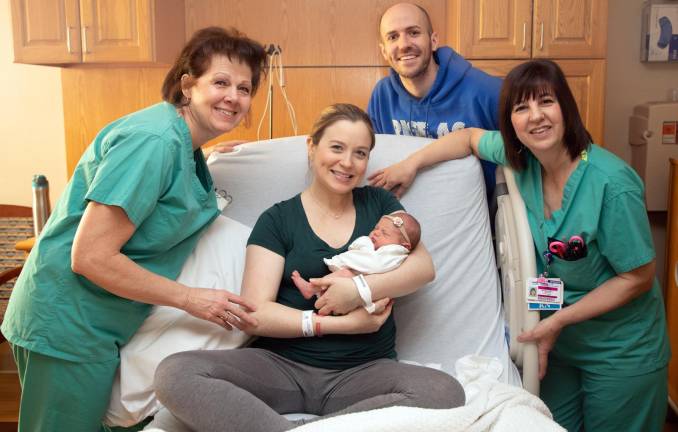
pixel 461 96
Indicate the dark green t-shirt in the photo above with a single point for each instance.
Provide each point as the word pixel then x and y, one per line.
pixel 284 229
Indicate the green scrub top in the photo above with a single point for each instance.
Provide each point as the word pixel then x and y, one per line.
pixel 143 163
pixel 603 203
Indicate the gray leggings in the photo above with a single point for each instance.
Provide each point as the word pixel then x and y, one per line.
pixel 248 389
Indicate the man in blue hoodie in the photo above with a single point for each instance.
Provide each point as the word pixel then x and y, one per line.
pixel 430 90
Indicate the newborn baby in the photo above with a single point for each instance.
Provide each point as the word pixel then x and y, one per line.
pixel 383 250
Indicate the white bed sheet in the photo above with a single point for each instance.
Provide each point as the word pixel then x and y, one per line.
pixel 456 315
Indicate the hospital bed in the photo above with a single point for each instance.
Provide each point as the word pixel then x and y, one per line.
pixel 464 322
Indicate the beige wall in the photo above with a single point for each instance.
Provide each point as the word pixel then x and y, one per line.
pixel 31 123
pixel 631 82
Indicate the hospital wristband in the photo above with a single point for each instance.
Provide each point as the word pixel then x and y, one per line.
pixel 307 323
pixel 365 292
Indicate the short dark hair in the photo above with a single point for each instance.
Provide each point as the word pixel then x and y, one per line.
pixel 196 56
pixel 429 24
pixel 337 112
pixel 534 79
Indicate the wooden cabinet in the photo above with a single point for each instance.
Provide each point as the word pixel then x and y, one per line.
pixel 44 31
pixel 97 31
pixel 490 29
pixel 671 295
pixel 570 29
pixel 497 35
pixel 310 32
pixel 330 50
pixel 521 29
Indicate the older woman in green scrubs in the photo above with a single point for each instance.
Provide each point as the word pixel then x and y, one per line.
pixel 138 201
pixel 603 357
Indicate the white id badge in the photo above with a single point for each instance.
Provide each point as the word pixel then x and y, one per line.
pixel 544 293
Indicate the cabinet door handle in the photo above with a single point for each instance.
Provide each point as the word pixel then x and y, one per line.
pixel 541 37
pixel 524 35
pixel 68 39
pixel 84 40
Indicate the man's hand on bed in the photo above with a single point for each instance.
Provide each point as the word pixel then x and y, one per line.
pixel 220 307
pixel 340 295
pixel 544 335
pixel 397 178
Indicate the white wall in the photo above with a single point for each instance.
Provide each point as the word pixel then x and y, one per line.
pixel 631 82
pixel 31 123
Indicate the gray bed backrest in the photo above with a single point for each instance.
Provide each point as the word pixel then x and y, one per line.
pixel 457 314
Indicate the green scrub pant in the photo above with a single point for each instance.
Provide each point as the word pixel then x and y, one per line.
pixel 59 395
pixel 581 400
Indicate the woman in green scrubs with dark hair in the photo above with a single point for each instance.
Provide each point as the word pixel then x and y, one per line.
pixel 136 205
pixel 602 357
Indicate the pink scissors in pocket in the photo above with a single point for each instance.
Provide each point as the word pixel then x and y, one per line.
pixel 574 249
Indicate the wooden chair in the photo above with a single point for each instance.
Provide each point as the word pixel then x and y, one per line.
pixel 16 224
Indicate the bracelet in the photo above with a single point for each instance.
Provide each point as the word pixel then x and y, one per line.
pixel 318 332
pixel 307 323
pixel 365 292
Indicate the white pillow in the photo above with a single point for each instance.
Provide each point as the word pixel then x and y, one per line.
pixel 218 261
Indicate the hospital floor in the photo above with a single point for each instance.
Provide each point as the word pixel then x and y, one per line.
pixel 9 395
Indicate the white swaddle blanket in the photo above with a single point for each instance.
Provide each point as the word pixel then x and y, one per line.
pixel 362 257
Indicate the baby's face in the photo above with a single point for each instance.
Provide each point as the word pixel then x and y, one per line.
pixel 385 233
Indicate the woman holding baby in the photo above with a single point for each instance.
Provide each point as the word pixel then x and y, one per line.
pixel 304 361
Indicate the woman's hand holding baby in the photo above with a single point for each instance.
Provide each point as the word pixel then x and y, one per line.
pixel 339 295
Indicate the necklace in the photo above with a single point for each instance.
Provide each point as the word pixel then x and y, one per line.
pixel 325 210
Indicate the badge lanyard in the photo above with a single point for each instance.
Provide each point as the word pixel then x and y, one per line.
pixel 544 292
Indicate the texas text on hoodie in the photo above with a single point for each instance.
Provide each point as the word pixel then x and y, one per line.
pixel 461 96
